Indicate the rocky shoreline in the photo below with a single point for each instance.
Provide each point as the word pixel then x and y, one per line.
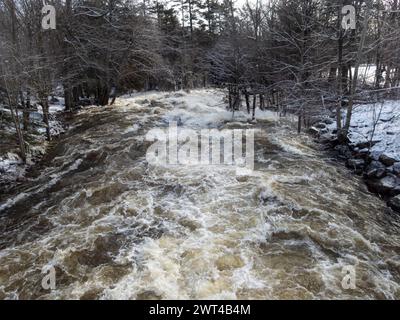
pixel 380 172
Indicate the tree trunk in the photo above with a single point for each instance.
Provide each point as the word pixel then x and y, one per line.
pixel 68 98
pixel 356 67
pixel 15 118
pixel 254 107
pixel 332 74
pixel 246 94
pixel 340 76
pixel 299 123
pixel 25 112
pixel 45 107
pixel 261 102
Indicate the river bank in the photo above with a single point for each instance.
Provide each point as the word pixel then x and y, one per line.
pixel 373 150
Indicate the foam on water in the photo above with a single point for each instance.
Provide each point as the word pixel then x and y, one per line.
pixel 116 228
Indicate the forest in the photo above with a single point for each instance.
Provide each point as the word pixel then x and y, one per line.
pixel 295 53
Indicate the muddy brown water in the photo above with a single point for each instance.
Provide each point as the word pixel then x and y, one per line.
pixel 115 228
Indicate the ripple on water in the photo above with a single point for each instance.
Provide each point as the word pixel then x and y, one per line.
pixel 115 227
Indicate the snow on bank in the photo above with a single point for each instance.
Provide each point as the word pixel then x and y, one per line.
pixel 367 73
pixel 199 110
pixel 386 119
pixel 11 165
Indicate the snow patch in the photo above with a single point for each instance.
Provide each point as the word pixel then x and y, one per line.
pixel 386 117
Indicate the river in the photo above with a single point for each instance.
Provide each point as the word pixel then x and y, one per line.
pixel 114 227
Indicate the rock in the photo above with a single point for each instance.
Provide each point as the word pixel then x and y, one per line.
pixel 355 164
pixel 329 139
pixel 361 155
pixel 387 186
pixel 386 160
pixel 328 121
pixel 363 145
pixel 314 131
pixel 394 203
pixel 376 173
pixel 376 165
pixel 343 151
pixel 375 170
pixel 320 125
pixel 367 144
pixel 374 155
pixel 335 140
pixel 396 168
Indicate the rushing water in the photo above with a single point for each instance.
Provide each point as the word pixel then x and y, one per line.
pixel 115 228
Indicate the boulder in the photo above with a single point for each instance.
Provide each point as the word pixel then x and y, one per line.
pixel 376 173
pixel 343 151
pixel 386 186
pixel 328 121
pixel 326 138
pixel 374 155
pixel 330 139
pixel 355 164
pixel 394 203
pixel 335 141
pixel 396 168
pixel 375 170
pixel 386 160
pixel 376 165
pixel 361 154
pixel 365 144
pixel 314 131
pixel 320 125
pixel 324 131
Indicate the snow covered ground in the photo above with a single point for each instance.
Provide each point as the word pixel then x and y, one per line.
pixel 367 73
pixel 385 117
